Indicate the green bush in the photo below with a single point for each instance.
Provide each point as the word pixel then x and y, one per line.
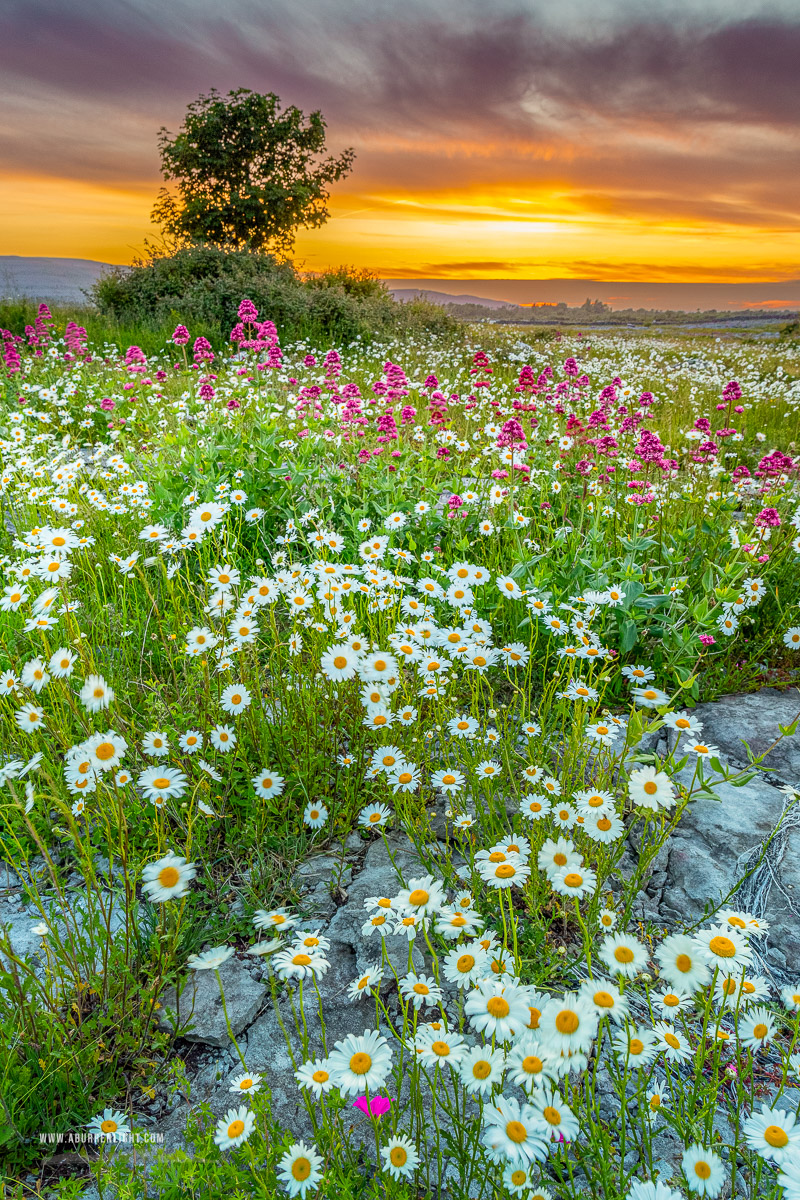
pixel 204 285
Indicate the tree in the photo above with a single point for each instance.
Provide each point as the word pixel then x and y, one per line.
pixel 248 172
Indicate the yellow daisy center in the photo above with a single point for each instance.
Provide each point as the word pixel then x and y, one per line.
pixel 567 1021
pixel 301 1169
pixel 497 1007
pixel 775 1136
pixel 360 1063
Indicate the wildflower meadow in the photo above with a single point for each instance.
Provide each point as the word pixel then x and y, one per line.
pixel 348 705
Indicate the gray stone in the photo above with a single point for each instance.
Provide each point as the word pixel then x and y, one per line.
pixel 17 926
pixel 265 1050
pixel 378 877
pixel 754 718
pixel 701 864
pixel 320 880
pixel 200 1005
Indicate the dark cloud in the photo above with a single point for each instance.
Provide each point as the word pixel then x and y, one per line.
pixel 408 68
pixel 697 118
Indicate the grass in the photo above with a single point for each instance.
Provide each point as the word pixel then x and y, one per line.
pixel 457 587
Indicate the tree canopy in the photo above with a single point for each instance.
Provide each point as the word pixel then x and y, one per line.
pixel 249 173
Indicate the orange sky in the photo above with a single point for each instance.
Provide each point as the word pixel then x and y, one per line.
pixel 459 235
pixel 597 142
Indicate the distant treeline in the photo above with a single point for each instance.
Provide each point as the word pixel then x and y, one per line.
pixel 596 312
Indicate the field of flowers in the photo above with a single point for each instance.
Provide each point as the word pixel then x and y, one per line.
pixel 263 600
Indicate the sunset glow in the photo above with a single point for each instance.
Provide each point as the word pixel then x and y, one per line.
pixel 609 145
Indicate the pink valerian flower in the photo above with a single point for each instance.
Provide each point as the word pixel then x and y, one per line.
pixel 511 435
pixel 774 464
pixel 181 335
pixel 608 395
pixel 480 364
pixel 387 425
pixel 202 350
pixel 768 518
pixel 207 392
pixel 107 404
pixel 332 364
pixel 526 382
pixel 649 447
pixel 248 312
pixel 707 640
pixel 233 404
pixel 376 1107
pixel 443 452
pixel 12 360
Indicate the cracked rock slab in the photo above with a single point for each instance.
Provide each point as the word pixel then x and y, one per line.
pixel 200 1005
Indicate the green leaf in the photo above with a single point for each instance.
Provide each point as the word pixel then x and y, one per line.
pixel 628 634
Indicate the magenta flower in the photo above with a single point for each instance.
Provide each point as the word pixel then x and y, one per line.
pixel 375 1107
pixel 768 518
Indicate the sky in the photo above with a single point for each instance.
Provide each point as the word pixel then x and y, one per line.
pixel 495 139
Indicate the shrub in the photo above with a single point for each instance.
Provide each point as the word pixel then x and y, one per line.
pixel 205 285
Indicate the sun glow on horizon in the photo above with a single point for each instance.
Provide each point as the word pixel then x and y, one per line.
pixel 491 233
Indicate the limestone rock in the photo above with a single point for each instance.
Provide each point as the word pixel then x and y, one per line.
pixel 378 877
pixel 317 879
pixel 200 1004
pixel 703 862
pixel 18 925
pixel 754 718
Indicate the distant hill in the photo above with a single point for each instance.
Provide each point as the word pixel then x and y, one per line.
pixel 65 280
pixel 59 279
pixel 448 297
pixel 618 295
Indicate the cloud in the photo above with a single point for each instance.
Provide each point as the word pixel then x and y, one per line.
pixel 685 113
